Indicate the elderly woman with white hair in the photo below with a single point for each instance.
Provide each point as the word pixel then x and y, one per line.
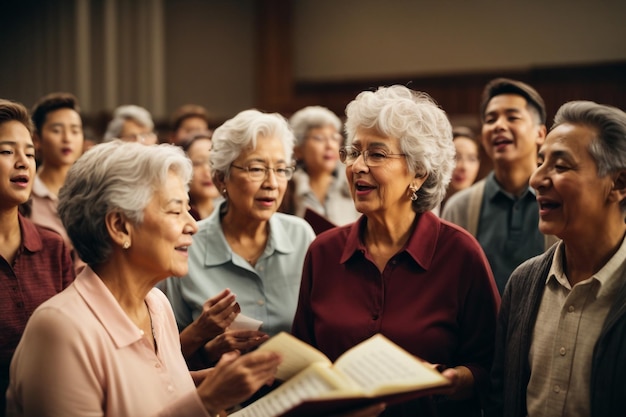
pixel 319 183
pixel 131 123
pixel 108 345
pixel 244 249
pixel 400 270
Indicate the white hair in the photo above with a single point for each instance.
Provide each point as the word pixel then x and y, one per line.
pixel 123 113
pixel 312 117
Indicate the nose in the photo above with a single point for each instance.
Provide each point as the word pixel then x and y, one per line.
pixel 359 164
pixel 22 161
pixel 538 178
pixel 270 178
pixel 192 226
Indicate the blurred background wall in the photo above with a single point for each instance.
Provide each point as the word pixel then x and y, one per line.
pixel 279 55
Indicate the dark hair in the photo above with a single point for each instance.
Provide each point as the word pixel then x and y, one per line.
pixel 187 111
pixel 501 86
pixel 13 111
pixel 189 140
pixel 50 103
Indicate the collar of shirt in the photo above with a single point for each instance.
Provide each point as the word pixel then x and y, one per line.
pixel 420 246
pixel 30 238
pixel 493 189
pixel 608 277
pixel 105 307
pixel 40 189
pixel 210 230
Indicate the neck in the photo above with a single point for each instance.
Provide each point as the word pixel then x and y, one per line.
pixel 125 282
pixel 319 182
pixel 586 256
pixel 514 177
pixel 391 230
pixel 53 177
pixel 245 238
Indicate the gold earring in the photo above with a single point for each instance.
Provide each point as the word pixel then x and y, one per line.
pixel 126 245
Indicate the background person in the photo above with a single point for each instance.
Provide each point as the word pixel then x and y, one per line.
pixel 187 120
pixel 562 325
pixel 244 245
pixel 203 194
pixel 108 345
pixel 319 182
pixel 35 263
pixel 400 271
pixel 58 138
pixel 131 123
pixel 500 210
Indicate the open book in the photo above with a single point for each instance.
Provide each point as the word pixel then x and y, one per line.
pixel 375 370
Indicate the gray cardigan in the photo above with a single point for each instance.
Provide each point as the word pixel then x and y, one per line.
pixel 511 370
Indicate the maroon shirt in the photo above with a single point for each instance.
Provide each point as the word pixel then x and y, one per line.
pixel 42 268
pixel 436 298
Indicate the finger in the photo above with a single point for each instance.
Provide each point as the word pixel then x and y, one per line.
pixel 219 297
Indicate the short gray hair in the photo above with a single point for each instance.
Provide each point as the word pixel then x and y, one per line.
pixel 123 113
pixel 114 176
pixel 421 126
pixel 312 117
pixel 608 148
pixel 241 133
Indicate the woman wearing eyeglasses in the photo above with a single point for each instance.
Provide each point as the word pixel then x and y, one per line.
pixel 400 270
pixel 319 182
pixel 244 249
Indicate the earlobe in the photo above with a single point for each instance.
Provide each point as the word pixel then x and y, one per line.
pixel 118 229
pixel 619 186
pixel 541 136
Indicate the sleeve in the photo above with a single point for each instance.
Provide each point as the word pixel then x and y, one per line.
pixel 56 375
pixel 173 291
pixel 478 320
pixel 302 326
pixel 494 403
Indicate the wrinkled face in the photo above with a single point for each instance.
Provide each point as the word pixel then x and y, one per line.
pixel 510 131
pixel 572 199
pixel 61 138
pixel 320 150
pixel 133 131
pixel 385 188
pixel 17 164
pixel 188 126
pixel 201 186
pixel 159 245
pixel 253 199
pixel 467 163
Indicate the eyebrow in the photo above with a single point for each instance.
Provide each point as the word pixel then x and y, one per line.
pixel 263 161
pixel 13 143
pixel 63 124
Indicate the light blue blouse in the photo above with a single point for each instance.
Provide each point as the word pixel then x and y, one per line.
pixel 267 292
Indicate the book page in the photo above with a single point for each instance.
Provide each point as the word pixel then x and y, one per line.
pixel 317 381
pixel 296 354
pixel 380 366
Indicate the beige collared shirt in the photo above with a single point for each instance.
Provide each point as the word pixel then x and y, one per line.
pixel 568 325
pixel 44 209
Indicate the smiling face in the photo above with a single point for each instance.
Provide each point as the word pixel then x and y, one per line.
pixel 467 163
pixel 160 243
pixel 320 149
pixel 61 138
pixel 510 132
pixel 201 186
pixel 256 200
pixel 17 164
pixel 573 201
pixel 382 189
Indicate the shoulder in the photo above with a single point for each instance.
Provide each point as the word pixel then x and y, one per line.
pixel 537 267
pixel 336 237
pixel 292 225
pixel 461 198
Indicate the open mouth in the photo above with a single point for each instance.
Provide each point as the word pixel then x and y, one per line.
pixel 20 179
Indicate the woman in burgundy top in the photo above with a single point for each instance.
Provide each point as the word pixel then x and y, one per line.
pixel 400 270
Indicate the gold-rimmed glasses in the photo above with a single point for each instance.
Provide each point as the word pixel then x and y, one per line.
pixel 372 157
pixel 257 172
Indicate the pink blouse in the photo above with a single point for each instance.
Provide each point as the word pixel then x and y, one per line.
pixel 80 355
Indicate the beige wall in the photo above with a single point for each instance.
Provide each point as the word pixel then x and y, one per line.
pixel 367 38
pixel 164 53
